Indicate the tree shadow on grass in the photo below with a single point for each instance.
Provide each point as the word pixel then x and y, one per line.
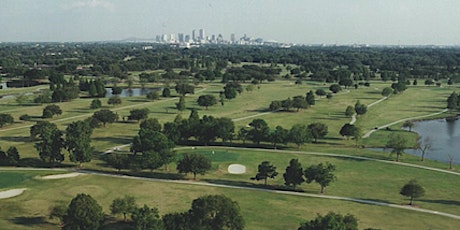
pixel 32 221
pixel 16 138
pixel 114 140
pixel 448 202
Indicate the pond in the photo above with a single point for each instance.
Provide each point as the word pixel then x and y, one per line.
pixel 444 138
pixel 134 92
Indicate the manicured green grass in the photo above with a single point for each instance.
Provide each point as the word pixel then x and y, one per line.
pixel 261 210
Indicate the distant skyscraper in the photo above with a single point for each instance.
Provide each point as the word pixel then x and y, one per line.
pixel 194 38
pixel 232 38
pixel 202 35
pixel 187 38
pixel 180 36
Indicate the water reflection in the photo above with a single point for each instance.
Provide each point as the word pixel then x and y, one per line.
pixel 134 92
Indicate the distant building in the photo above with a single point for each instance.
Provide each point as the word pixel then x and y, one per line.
pixel 194 37
pixel 202 34
pixel 232 38
pixel 180 37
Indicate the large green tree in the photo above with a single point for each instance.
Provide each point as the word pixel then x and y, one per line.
pixel 323 174
pixel 259 131
pixel 5 119
pixel 83 213
pixel 105 116
pixel 397 143
pixel 331 221
pixel 207 100
pixel 413 190
pixel 265 170
pixel 294 173
pixel 215 212
pixel 78 141
pixel 146 218
pixel 318 130
pixel 50 146
pixel 279 135
pixel 194 163
pixel 123 205
pixel 299 134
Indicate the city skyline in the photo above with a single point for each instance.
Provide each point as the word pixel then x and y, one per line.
pixel 405 22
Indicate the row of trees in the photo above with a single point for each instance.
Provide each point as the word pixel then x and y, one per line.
pixel 10 157
pixel 323 174
pixel 51 141
pixel 206 212
pixel 297 102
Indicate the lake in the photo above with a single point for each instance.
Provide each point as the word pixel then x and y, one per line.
pixel 444 136
pixel 134 92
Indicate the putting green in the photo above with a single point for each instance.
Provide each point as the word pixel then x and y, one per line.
pixel 10 179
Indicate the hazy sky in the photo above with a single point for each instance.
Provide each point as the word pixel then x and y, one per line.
pixel 408 22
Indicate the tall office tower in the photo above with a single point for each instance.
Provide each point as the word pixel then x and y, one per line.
pixel 213 37
pixel 158 38
pixel 164 38
pixel 220 38
pixel 232 38
pixel 202 35
pixel 187 38
pixel 172 38
pixel 194 38
pixel 180 36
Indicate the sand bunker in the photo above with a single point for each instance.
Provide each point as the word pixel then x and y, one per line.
pixel 236 169
pixel 11 193
pixel 59 176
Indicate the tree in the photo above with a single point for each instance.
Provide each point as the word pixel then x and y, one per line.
pixel 151 123
pixel 299 103
pixel 153 95
pixel 215 212
pixel 360 109
pixel 124 205
pixel 452 101
pixel 397 143
pixel 299 134
pixel 50 110
pixel 413 190
pixel 348 130
pixel 146 218
pixel 166 92
pixel 116 90
pixel 335 88
pixel 12 155
pixel 184 88
pixel 424 146
pixel 323 174
pixel 58 211
pixel 387 91
pixel 332 221
pixel 408 124
pixel 275 105
pixel 83 213
pixel 287 104
pixel 294 173
pixel 5 119
pixel 207 100
pixel 229 92
pixel 78 141
pixel 50 146
pixel 310 98
pixel 105 116
pixel 114 100
pixel 265 170
pixel 349 111
pixel 41 128
pixel 320 92
pixel 95 104
pixel 181 104
pixel 225 128
pixel 138 114
pixel 194 163
pixel 259 131
pixel 279 135
pixel 318 130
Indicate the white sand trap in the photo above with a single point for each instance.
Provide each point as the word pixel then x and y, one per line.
pixel 59 176
pixel 236 169
pixel 11 193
